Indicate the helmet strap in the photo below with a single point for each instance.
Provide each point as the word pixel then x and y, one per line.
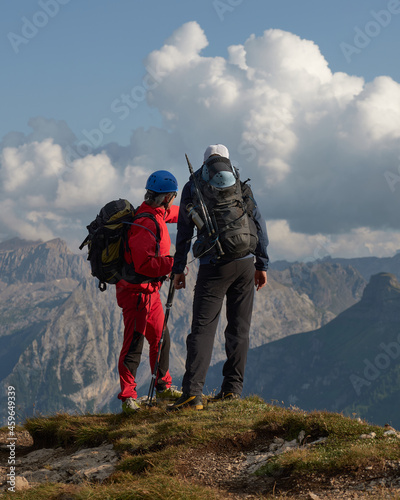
pixel 168 198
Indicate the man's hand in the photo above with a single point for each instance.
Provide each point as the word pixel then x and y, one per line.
pixel 179 281
pixel 260 279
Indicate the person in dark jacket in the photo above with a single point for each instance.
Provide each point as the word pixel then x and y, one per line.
pixel 217 278
pixel 141 305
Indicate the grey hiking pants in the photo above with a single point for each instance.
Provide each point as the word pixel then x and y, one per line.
pixel 234 279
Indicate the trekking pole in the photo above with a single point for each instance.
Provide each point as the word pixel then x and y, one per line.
pixel 203 207
pixel 168 306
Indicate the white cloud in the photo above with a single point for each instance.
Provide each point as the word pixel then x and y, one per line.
pixel 43 197
pixel 377 111
pixel 17 222
pixel 316 144
pixel 287 62
pixel 89 181
pixel 360 242
pixel 35 162
pixel 182 48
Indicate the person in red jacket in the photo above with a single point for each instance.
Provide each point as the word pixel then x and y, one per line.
pixel 141 305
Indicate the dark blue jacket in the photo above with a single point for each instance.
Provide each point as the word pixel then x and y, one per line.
pixel 185 234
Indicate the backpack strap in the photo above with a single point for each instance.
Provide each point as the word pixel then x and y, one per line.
pixel 248 197
pixel 157 236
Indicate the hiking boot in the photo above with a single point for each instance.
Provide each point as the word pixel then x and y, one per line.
pixel 187 401
pixel 222 396
pixel 130 406
pixel 170 394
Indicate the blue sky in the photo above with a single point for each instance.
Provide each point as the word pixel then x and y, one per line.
pixel 306 95
pixel 90 52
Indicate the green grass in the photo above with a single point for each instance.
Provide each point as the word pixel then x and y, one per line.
pixel 155 488
pixel 343 450
pixel 150 441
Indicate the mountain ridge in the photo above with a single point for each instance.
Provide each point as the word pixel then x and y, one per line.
pixel 33 262
pixel 48 298
pixel 366 266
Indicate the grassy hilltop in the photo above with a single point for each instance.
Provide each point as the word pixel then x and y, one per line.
pixel 237 449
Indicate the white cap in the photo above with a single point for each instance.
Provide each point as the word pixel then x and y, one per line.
pixel 216 149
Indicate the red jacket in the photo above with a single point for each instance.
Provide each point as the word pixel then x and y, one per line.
pixel 142 245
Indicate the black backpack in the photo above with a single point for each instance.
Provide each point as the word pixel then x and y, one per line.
pixel 231 211
pixel 107 242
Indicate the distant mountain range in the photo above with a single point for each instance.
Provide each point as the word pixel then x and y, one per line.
pixel 366 266
pixel 349 365
pixel 60 336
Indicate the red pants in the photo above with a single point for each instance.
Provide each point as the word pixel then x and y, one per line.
pixel 143 318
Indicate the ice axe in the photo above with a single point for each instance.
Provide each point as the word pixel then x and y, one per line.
pixel 212 234
pixel 168 306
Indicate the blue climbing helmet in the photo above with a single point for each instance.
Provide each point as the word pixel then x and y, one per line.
pixel 162 181
pixel 218 172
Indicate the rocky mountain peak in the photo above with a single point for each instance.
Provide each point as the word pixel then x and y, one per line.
pixel 58 245
pixel 382 287
pixel 39 262
pixel 17 243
